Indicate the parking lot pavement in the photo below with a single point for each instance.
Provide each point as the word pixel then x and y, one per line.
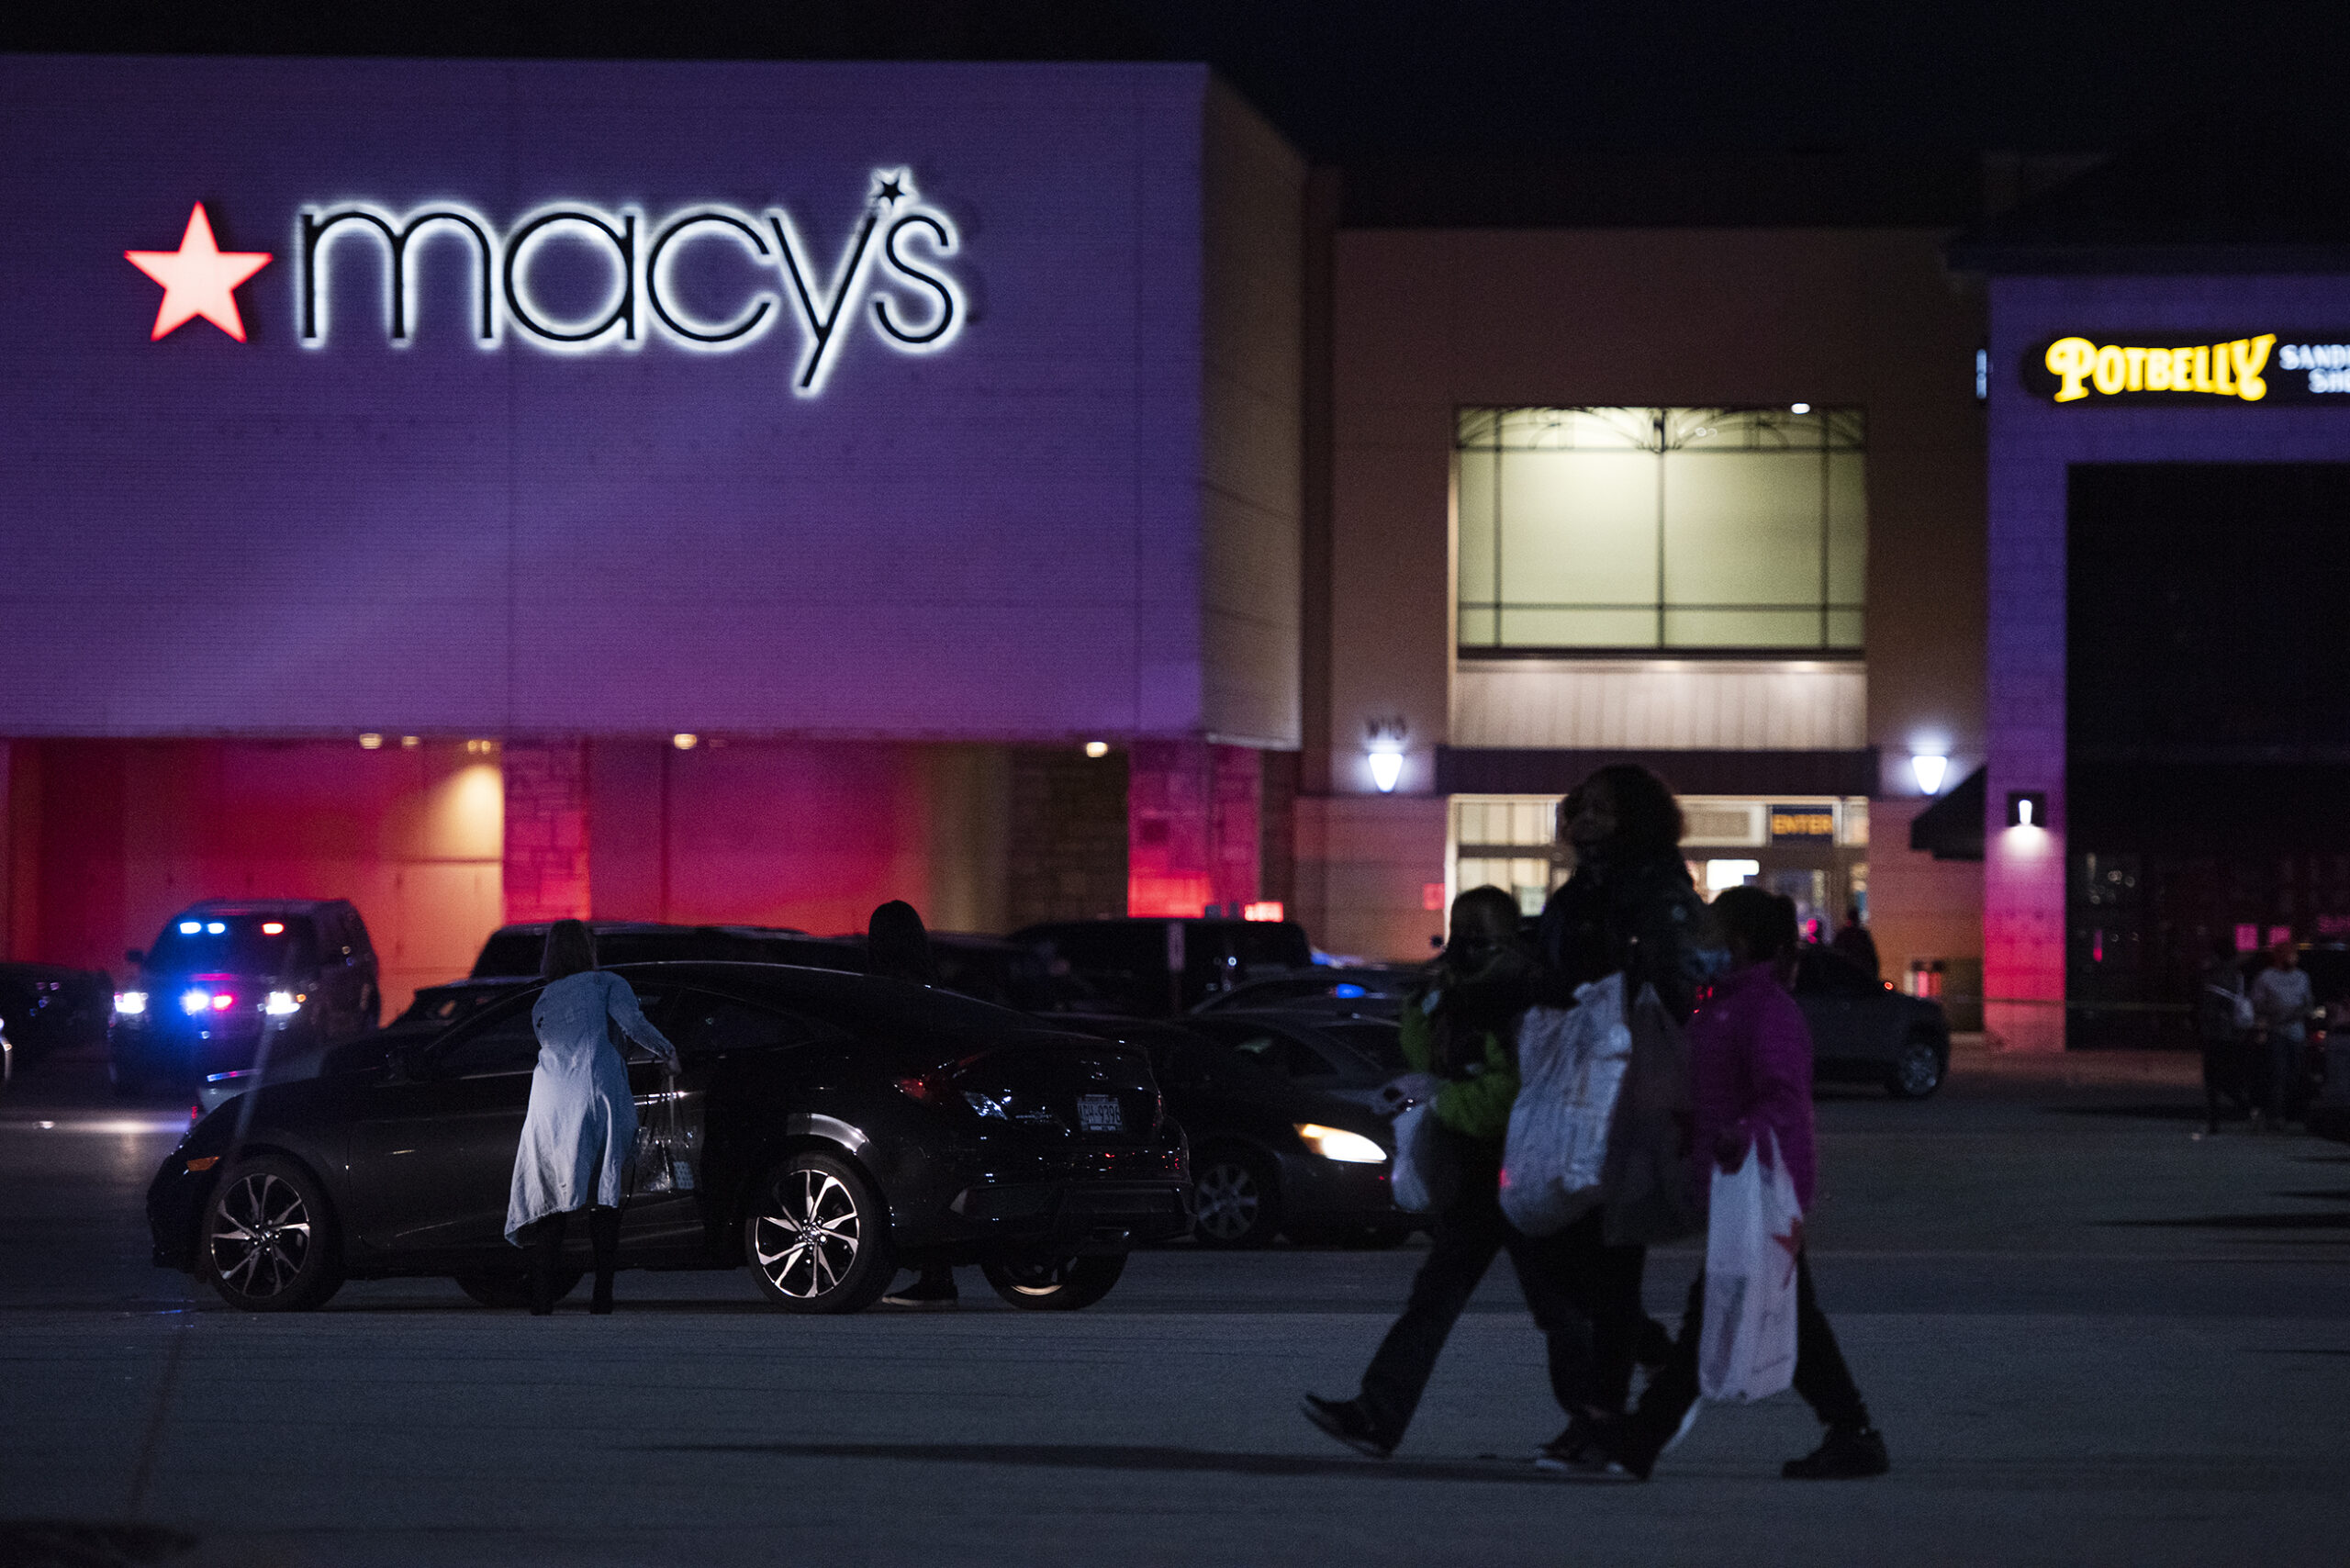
pixel 2089 1335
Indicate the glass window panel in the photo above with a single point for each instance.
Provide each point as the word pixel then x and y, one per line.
pixel 1766 527
pixel 1579 528
pixel 1848 529
pixel 1741 528
pixel 1475 501
pixel 1529 823
pixel 1471 824
pixel 1847 629
pixel 1476 871
pixel 1743 627
pixel 1579 628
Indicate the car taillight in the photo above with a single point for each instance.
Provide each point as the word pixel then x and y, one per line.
pixel 925 1088
pixel 222 1001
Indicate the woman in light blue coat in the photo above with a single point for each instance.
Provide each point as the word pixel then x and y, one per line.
pixel 580 1137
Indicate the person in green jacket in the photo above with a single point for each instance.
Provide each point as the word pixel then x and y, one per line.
pixel 1461 1028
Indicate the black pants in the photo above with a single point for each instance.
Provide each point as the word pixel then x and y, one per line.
pixel 2283 1062
pixel 545 1240
pixel 1821 1376
pixel 1585 1294
pixel 2224 1077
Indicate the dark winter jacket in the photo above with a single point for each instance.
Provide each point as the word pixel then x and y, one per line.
pixel 1642 916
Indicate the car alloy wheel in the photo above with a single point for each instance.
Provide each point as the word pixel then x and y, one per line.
pixel 1055 1285
pixel 1235 1203
pixel 1917 1071
pixel 819 1237
pixel 268 1245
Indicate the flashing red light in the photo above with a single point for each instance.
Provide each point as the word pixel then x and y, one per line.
pixel 222 1001
pixel 926 1088
pixel 1268 908
pixel 273 928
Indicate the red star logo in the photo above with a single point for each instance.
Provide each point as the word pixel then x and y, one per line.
pixel 198 279
pixel 1792 1241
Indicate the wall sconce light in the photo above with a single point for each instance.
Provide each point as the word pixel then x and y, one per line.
pixel 2028 808
pixel 684 741
pixel 1383 746
pixel 1930 769
pixel 1097 749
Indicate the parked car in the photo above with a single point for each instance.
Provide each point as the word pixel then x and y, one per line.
pixel 1158 968
pixel 998 969
pixel 1864 1031
pixel 226 977
pixel 512 952
pixel 1290 1133
pixel 840 1126
pixel 1372 991
pixel 46 1006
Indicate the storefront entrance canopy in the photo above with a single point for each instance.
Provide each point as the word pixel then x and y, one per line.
pixel 1952 828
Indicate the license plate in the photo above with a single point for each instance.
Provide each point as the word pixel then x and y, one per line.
pixel 1100 1114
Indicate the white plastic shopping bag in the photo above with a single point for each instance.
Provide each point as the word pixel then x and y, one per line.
pixel 1747 1346
pixel 1570 1069
pixel 1414 1181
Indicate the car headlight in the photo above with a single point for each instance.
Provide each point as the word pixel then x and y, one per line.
pixel 130 1003
pixel 1332 1143
pixel 195 1002
pixel 283 1003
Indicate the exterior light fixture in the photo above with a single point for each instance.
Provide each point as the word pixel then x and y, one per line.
pixel 370 740
pixel 2028 808
pixel 1097 749
pixel 684 741
pixel 410 743
pixel 1798 407
pixel 480 748
pixel 1931 768
pixel 1383 750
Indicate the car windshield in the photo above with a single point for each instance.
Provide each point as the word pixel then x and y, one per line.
pixel 260 945
pixel 1381 1042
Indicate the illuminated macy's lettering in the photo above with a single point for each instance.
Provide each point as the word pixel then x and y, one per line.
pixel 888 260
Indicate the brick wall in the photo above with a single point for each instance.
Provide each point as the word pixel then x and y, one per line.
pixel 1067 846
pixel 1193 810
pixel 546 830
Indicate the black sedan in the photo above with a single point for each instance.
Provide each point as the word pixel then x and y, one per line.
pixel 1863 1031
pixel 836 1126
pixel 1290 1130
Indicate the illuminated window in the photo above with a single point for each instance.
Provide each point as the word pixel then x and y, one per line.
pixel 1732 528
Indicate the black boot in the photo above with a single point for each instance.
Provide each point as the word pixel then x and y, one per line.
pixel 546 1254
pixel 604 1234
pixel 1848 1453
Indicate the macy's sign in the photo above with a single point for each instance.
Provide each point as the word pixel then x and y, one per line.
pixel 886 272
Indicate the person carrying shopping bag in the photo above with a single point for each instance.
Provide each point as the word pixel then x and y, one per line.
pixel 580 1135
pixel 1458 1027
pixel 1750 1054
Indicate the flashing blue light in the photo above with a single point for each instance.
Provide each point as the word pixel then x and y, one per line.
pixel 189 927
pixel 1346 991
pixel 216 928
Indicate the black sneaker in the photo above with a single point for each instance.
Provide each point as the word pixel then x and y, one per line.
pixel 1582 1450
pixel 1347 1421
pixel 1848 1453
pixel 935 1288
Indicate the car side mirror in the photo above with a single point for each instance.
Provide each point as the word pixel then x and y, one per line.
pixel 137 955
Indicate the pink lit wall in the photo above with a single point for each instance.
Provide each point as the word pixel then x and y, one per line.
pixel 119 835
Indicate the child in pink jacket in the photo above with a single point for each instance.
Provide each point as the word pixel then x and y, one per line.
pixel 1750 1065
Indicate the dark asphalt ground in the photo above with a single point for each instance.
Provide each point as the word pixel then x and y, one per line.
pixel 2090 1334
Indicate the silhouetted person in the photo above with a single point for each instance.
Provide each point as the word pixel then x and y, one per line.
pixel 580 1135
pixel 2282 1003
pixel 2222 1009
pixel 1750 1058
pixel 897 945
pixel 1852 940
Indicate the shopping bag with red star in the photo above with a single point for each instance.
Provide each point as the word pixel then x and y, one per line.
pixel 1753 1232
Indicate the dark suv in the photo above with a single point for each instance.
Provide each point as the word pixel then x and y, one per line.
pixel 230 976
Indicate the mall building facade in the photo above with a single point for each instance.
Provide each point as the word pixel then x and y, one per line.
pixel 744 493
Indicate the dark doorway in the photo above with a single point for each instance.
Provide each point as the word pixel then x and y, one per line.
pixel 2208 705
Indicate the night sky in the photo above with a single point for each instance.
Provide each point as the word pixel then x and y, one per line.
pixel 1373 79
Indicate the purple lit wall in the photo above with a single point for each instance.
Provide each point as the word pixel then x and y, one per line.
pixel 2033 442
pixel 999 539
